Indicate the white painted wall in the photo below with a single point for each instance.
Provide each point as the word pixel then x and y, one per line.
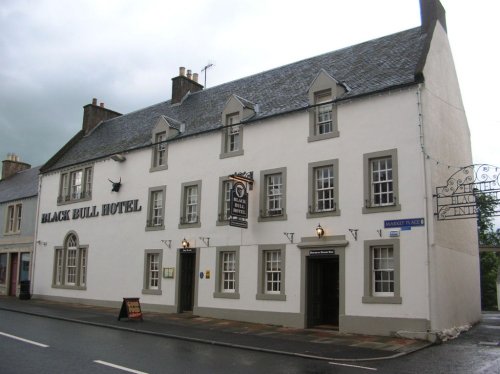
pixel 453 245
pixel 117 243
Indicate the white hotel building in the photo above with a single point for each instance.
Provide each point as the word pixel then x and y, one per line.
pixel 339 140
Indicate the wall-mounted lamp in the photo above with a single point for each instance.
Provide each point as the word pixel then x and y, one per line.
pixel 319 231
pixel 289 235
pixel 118 157
pixel 185 243
pixel 354 233
pixel 206 240
pixel 168 243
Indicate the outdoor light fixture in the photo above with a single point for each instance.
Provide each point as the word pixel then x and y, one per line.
pixel 118 157
pixel 185 243
pixel 319 231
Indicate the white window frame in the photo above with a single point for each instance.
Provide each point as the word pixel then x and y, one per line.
pixel 156 208
pixel 223 274
pixel 225 185
pixel 70 264
pixel 152 272
pixel 13 219
pixel 272 275
pixel 333 188
pixel 389 180
pixel 190 204
pixel 75 185
pixel 387 265
pixel 324 113
pixel 273 195
pixel 232 136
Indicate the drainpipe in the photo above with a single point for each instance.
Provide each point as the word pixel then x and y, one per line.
pixel 35 248
pixel 427 201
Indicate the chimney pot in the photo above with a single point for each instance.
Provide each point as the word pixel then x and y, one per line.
pixel 182 84
pixel 94 114
pixel 182 71
pixel 12 165
pixel 195 77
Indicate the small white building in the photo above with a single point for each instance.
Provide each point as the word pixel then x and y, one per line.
pixel 18 209
pixel 345 142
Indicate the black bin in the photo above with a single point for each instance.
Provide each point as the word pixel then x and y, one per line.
pixel 24 293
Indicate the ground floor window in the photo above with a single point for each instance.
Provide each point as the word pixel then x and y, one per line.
pixel 271 278
pixel 70 264
pixel 382 271
pixel 152 269
pixel 3 268
pixel 227 272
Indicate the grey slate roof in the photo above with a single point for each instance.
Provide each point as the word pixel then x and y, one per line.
pixel 374 66
pixel 20 185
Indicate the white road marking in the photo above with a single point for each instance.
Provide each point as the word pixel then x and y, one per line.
pixel 24 340
pixel 119 367
pixel 353 366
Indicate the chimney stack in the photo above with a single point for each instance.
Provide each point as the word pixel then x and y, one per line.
pixel 432 11
pixel 94 114
pixel 12 165
pixel 183 84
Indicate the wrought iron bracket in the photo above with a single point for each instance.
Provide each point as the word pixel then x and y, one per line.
pixel 289 235
pixel 457 199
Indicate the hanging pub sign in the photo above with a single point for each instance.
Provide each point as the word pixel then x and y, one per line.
pixel 238 205
pixel 131 309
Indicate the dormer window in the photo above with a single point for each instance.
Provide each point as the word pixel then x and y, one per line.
pixel 232 136
pixel 166 128
pixel 323 122
pixel 236 111
pixel 323 109
pixel 160 151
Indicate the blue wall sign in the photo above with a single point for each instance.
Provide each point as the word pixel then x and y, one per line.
pixel 407 222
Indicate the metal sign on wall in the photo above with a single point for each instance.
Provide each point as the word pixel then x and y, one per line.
pixel 457 200
pixel 238 206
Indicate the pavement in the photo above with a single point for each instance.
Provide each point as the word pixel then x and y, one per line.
pixel 319 344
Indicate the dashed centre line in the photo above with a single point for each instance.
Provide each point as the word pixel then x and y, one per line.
pixel 119 367
pixel 24 340
pixel 353 366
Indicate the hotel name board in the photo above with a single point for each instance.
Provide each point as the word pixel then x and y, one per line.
pixel 109 209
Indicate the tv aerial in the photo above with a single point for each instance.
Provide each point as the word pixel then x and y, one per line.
pixel 204 70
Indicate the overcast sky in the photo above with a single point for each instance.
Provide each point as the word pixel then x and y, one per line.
pixel 55 55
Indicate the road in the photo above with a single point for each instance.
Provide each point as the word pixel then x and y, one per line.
pixel 76 348
pixel 31 344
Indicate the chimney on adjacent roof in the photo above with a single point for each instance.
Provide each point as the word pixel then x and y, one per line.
pixel 182 84
pixel 13 165
pixel 432 11
pixel 94 114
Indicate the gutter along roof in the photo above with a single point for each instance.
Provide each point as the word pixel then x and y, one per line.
pixel 370 67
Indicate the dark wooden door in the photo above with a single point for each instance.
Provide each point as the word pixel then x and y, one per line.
pixel 187 281
pixel 323 291
pixel 13 274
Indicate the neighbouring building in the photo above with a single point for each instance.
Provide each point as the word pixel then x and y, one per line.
pixel 18 208
pixel 329 162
